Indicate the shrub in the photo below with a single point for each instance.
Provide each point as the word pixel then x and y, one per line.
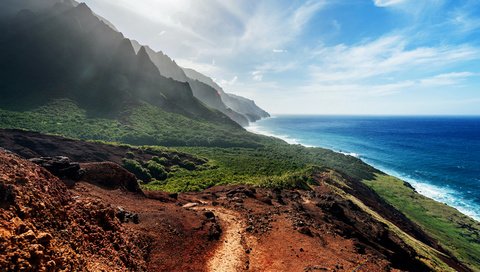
pixel 156 170
pixel 176 158
pixel 129 155
pixel 162 160
pixel 188 165
pixel 136 168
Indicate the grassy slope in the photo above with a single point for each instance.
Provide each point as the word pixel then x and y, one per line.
pixel 456 232
pixel 275 164
pixel 144 124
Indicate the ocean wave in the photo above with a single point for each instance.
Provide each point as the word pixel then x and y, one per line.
pixel 441 194
pixel 258 130
pixel 353 154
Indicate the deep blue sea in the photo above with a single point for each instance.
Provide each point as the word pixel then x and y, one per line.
pixel 439 156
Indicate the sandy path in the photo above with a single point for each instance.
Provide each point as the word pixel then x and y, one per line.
pixel 230 255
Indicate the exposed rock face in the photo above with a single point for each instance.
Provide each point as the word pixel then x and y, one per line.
pixel 110 175
pixel 44 228
pixel 61 167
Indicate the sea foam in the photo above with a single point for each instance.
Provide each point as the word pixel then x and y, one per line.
pixel 445 195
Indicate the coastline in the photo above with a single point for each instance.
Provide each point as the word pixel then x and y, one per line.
pixel 439 194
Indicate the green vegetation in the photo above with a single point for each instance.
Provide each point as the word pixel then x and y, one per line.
pixel 144 124
pixel 277 164
pixel 156 170
pixel 455 232
pixel 137 169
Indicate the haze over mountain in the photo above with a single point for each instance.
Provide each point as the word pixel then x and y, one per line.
pixel 321 57
pixel 239 109
pixel 104 74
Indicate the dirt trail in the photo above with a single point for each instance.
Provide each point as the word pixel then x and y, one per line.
pixel 230 254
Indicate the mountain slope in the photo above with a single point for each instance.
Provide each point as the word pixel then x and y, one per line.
pixel 67 52
pixel 239 104
pixel 167 67
pixel 244 106
pixel 210 96
pixel 212 99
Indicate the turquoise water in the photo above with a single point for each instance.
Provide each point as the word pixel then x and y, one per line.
pixel 439 156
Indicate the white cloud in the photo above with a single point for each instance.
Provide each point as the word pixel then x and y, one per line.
pixel 464 20
pixel 386 3
pixel 202 67
pixel 228 83
pixel 257 75
pixel 336 25
pixel 384 56
pixel 446 79
pixel 279 51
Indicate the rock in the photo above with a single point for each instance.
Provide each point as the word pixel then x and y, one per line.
pixel 209 215
pixel 306 231
pixel 214 232
pixel 161 196
pixel 44 238
pixel 241 192
pixel 29 235
pixel 60 166
pixel 190 205
pixel 7 195
pixel 110 175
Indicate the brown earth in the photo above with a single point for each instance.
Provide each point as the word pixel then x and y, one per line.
pixel 102 224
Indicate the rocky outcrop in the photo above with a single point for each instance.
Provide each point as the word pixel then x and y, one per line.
pixel 110 175
pixel 61 167
pixel 44 227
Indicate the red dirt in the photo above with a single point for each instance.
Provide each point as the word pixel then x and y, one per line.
pixel 105 224
pixel 44 227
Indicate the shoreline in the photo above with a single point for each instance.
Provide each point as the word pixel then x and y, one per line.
pixel 419 186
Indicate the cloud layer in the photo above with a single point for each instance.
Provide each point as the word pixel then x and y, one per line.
pixel 383 56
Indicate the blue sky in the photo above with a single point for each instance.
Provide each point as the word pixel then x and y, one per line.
pixel 320 57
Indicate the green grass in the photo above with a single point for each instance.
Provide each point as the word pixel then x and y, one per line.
pixel 141 125
pixel 455 232
pixel 277 164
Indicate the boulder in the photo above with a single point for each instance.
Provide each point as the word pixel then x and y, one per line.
pixel 110 175
pixel 61 167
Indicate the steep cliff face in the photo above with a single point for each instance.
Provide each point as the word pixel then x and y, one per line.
pixel 66 51
pixel 241 105
pixel 166 66
pixel 205 89
pixel 244 106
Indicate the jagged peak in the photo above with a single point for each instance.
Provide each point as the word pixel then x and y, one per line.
pixel 142 51
pixel 84 8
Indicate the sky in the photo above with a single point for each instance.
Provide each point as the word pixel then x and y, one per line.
pixel 395 57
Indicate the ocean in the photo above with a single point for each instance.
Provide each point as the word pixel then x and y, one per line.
pixel 439 156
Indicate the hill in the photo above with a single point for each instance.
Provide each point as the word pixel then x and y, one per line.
pixel 332 223
pixel 68 52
